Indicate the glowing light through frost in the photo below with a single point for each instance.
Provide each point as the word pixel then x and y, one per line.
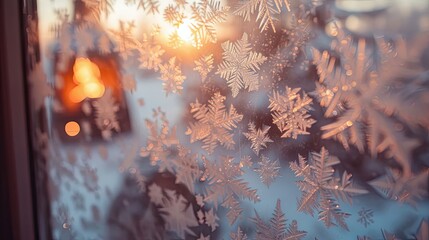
pixel 87 77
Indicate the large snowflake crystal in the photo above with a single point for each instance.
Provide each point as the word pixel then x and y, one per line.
pixel 240 65
pixel 225 184
pixel 172 77
pixel 321 189
pixel 368 98
pixel 290 112
pixel 276 228
pixel 161 142
pixel 214 123
pixel 150 53
pixel 258 137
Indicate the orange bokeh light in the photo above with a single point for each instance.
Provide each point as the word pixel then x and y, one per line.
pixel 86 76
pixel 72 128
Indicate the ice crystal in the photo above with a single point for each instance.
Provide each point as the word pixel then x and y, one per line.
pixel 178 214
pixel 258 137
pixel 410 189
pixel 266 12
pixel 150 53
pixel 240 65
pixel 212 219
pixel 155 194
pixel 186 168
pixel 290 112
pixel 204 66
pixel 268 170
pixel 321 189
pixel 164 150
pixel 128 83
pixel 105 114
pixel 359 91
pixel 172 77
pixel 365 217
pixel 173 15
pixel 124 38
pixel 205 15
pixel 214 123
pixel 239 235
pixel 276 228
pixel 225 184
pixel 174 40
pixel 160 143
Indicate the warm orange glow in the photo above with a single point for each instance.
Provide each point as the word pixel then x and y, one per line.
pixel 72 128
pixel 86 75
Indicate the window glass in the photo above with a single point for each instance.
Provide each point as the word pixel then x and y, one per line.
pixel 217 119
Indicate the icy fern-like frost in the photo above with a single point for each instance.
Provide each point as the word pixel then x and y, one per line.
pixel 205 15
pixel 214 123
pixel 240 65
pixel 276 228
pixel 290 112
pixel 321 190
pixel 172 77
pixel 258 137
pixel 266 12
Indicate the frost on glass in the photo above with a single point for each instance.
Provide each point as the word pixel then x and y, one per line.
pixel 216 119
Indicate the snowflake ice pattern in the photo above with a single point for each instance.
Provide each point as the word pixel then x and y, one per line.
pixel 258 137
pixel 290 112
pixel 172 77
pixel 240 65
pixel 268 170
pixel 321 188
pixel 214 124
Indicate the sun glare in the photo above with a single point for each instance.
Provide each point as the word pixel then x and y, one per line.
pixel 184 31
